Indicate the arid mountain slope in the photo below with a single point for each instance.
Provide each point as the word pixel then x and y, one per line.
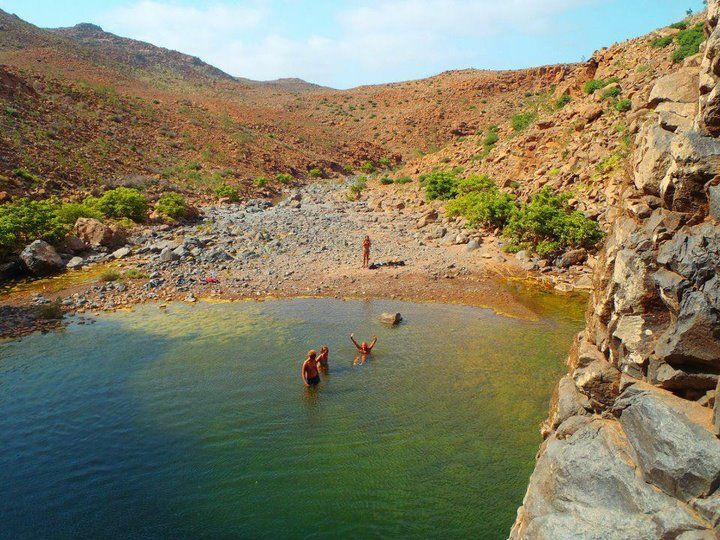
pixel 82 107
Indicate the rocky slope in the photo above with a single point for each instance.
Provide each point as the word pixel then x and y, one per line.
pixel 631 447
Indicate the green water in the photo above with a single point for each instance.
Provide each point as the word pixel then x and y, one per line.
pixel 192 422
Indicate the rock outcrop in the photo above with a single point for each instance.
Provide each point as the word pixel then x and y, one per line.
pixel 631 444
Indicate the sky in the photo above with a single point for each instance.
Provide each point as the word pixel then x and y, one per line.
pixel 343 44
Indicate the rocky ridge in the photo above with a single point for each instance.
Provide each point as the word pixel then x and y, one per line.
pixel 631 447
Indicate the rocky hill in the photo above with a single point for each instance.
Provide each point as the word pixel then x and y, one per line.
pixel 631 447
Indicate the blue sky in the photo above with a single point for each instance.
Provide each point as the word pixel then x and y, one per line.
pixel 349 43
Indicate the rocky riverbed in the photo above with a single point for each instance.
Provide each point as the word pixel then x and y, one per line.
pixel 307 244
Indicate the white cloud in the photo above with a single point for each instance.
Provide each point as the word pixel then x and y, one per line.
pixel 370 42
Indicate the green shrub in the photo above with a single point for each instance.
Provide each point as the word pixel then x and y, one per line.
pixel 357 187
pixel 403 180
pixel 547 223
pixel 562 101
pixel 111 274
pixel 227 192
pixel 682 25
pixel 661 42
pixel 623 105
pixel 688 42
pixel 475 183
pixel 24 174
pixel 490 139
pixel 68 213
pixel 261 181
pixel 121 202
pixel 172 206
pixel 134 273
pixel 596 84
pixel 25 220
pixel 610 93
pixel 386 180
pixel 284 178
pixel 316 172
pixel 367 167
pixel 491 207
pixel 385 162
pixel 523 120
pixel 439 185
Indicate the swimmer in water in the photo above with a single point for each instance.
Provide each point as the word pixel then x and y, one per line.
pixel 322 358
pixel 309 371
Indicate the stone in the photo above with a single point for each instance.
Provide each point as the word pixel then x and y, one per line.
pixel 586 486
pixel 670 377
pixel 392 319
pixel 75 262
pixel 572 258
pixel 672 439
pixel 167 255
pixel 714 201
pixel 599 380
pixel 653 157
pixel 584 282
pixel 472 245
pixel 94 233
pixel 429 217
pixel 73 244
pixel 41 259
pixel 121 253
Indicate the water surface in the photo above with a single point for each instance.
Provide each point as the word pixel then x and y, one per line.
pixel 192 422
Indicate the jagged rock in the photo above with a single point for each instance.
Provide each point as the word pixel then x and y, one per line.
pixel 652 157
pixel 392 319
pixel 72 244
pixel 714 201
pixel 472 245
pixel 678 87
pixel 586 486
pixel 695 338
pixel 665 376
pixel 671 286
pixel 429 217
pixel 41 259
pixel 567 401
pixel 167 255
pixel 672 439
pixel 599 380
pixel 94 233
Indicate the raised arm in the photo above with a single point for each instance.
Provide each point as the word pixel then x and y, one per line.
pixel 372 344
pixel 357 345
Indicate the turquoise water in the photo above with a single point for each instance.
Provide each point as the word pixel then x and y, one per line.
pixel 192 422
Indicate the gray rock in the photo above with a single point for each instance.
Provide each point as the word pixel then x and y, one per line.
pixel 586 486
pixel 41 259
pixel 75 262
pixel 472 245
pixel 167 255
pixel 121 253
pixel 392 319
pixel 671 437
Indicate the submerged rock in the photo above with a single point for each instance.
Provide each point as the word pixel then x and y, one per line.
pixel 393 319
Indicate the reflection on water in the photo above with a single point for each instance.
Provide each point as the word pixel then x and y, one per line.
pixel 193 421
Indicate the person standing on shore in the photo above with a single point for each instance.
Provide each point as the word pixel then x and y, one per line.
pixel 366 251
pixel 309 371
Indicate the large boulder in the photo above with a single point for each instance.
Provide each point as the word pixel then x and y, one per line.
pixel 680 86
pixel 391 319
pixel 586 486
pixel 95 233
pixel 41 259
pixel 673 440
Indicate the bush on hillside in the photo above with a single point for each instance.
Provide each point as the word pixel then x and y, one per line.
pixel 284 178
pixel 120 203
pixel 681 25
pixel 661 42
pixel 367 167
pixel 562 101
pixel 688 42
pixel 612 92
pixel 25 220
pixel 548 225
pixel 489 207
pixel 357 187
pixel 316 172
pixel 403 180
pixel 227 192
pixel 439 185
pixel 386 180
pixel 523 120
pixel 172 206
pixel 69 213
pixel 623 105
pixel 385 162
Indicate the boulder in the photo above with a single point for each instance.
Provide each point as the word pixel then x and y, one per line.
pixel 678 87
pixel 167 255
pixel 94 233
pixel 392 319
pixel 121 253
pixel 653 157
pixel 428 217
pixel 72 244
pixel 572 258
pixel 41 259
pixel 472 245
pixel 672 439
pixel 586 486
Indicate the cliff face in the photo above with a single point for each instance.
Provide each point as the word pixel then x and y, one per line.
pixel 631 447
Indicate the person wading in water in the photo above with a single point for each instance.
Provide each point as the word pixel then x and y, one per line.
pixel 364 348
pixel 309 371
pixel 366 252
pixel 322 358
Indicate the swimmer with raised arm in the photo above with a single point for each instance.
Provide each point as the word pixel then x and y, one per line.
pixel 309 371
pixel 363 347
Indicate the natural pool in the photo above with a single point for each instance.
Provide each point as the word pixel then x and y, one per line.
pixel 192 422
